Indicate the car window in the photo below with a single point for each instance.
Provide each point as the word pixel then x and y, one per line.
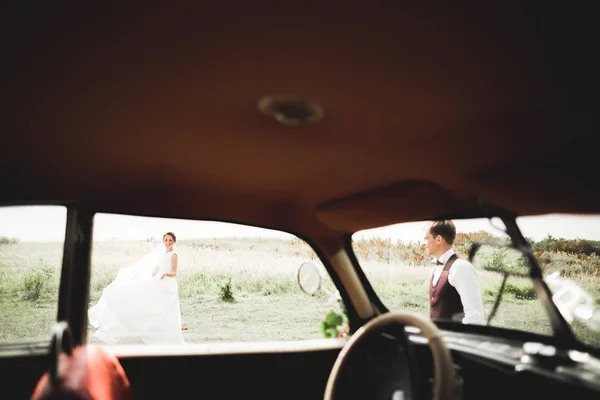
pixel 31 252
pixel 567 248
pixel 401 270
pixel 232 283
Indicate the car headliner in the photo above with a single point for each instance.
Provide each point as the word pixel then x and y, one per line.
pixel 152 110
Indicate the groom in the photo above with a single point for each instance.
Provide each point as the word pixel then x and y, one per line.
pixel 453 290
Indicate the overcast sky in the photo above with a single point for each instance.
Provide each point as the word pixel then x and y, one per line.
pixel 47 223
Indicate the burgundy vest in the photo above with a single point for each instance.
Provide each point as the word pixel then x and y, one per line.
pixel 444 300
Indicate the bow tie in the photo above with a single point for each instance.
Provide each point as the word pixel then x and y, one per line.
pixel 438 262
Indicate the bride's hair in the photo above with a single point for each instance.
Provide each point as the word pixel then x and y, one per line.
pixel 170 234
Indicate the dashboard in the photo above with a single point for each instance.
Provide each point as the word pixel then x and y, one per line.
pixel 512 367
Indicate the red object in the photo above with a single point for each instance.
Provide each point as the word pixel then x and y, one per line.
pixel 88 373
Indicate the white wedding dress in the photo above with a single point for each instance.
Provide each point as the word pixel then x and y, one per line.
pixel 139 307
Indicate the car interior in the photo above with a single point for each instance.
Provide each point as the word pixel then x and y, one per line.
pixel 319 120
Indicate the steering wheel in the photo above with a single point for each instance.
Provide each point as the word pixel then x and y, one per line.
pixel 443 372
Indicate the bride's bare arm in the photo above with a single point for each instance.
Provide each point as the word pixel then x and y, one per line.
pixel 173 267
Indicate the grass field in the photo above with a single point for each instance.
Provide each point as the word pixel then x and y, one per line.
pixel 268 303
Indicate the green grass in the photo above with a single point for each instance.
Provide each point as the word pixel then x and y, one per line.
pixel 230 290
pixel 246 289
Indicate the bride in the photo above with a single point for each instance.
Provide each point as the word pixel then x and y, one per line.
pixel 140 306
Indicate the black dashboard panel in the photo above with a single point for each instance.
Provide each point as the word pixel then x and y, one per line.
pixel 491 367
pixel 487 367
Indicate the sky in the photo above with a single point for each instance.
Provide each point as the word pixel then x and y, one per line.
pixel 47 224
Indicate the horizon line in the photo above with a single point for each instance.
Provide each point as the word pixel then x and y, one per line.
pixel 293 237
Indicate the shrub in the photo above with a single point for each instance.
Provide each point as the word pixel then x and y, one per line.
pixel 503 260
pixel 37 283
pixel 570 265
pixel 573 246
pixel 464 241
pixel 521 292
pixel 6 240
pixel 226 291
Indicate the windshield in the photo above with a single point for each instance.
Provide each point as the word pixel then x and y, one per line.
pixel 400 262
pixel 570 263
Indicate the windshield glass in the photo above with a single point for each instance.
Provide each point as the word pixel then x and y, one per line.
pixel 400 262
pixel 568 251
pixel 158 281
